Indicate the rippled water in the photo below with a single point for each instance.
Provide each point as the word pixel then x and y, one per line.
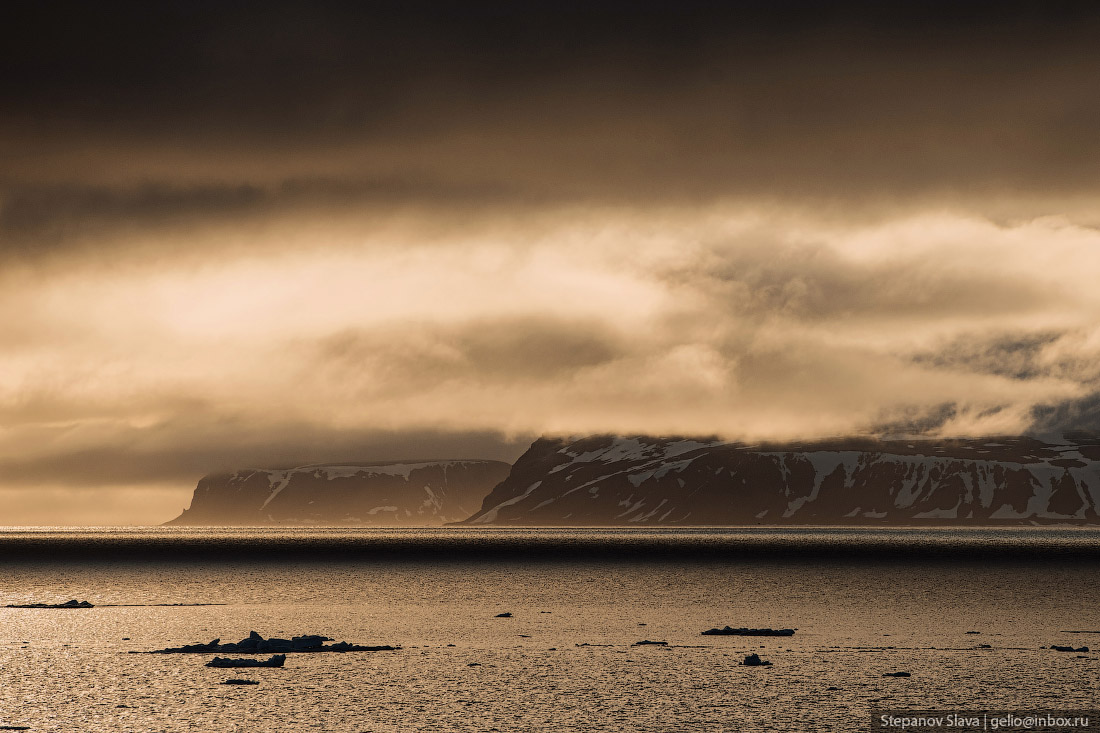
pixel 865 602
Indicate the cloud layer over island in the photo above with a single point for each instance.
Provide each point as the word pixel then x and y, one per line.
pixel 233 236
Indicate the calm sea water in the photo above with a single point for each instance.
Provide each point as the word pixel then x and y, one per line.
pixel 865 602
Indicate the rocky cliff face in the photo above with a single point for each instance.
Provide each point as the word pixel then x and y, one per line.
pixel 668 481
pixel 384 494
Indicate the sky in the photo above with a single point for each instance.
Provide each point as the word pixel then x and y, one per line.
pixel 240 234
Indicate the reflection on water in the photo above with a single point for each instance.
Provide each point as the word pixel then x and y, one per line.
pixel 235 543
pixel 63 670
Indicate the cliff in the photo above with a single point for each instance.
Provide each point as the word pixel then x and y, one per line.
pixel 381 494
pixel 609 480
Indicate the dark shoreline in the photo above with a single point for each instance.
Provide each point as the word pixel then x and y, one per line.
pixel 956 545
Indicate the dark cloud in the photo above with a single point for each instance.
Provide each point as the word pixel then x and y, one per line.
pixel 40 219
pixel 182 450
pixel 773 279
pixel 1024 357
pixel 1081 414
pixel 1021 356
pixel 607 101
pixel 502 351
pixel 914 419
pixel 1013 356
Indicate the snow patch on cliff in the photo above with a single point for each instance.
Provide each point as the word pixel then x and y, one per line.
pixel 491 515
pixel 279 481
pixel 952 513
pixel 637 479
pixel 633 449
pixel 390 469
pixel 825 464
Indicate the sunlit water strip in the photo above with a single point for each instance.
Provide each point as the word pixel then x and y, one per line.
pixel 698 543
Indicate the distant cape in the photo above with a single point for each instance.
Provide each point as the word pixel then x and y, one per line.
pixel 609 480
pixel 646 481
pixel 400 493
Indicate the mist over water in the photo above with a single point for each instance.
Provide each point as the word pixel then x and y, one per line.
pixel 864 603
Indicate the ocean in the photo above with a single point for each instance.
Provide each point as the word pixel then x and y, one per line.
pixel 970 614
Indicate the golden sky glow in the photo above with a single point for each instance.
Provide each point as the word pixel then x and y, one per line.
pixel 269 246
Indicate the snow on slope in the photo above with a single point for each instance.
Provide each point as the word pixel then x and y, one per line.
pixel 645 480
pixel 398 493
